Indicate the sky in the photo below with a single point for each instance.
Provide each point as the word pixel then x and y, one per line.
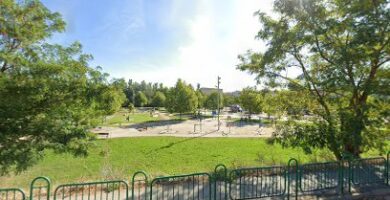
pixel 163 40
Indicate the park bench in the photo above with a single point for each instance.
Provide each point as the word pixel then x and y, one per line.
pixel 106 134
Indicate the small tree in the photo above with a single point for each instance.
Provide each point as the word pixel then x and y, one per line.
pixel 140 99
pixel 251 100
pixel 181 98
pixel 158 99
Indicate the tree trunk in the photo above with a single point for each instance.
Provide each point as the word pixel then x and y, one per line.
pixel 352 126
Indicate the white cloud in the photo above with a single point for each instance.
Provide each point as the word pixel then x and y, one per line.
pixel 216 38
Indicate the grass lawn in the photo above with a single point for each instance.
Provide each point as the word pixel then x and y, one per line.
pixel 119 158
pixel 138 117
pixel 119 118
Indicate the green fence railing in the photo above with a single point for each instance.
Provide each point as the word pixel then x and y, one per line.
pixel 40 188
pixel 220 179
pixel 12 194
pixel 252 183
pixel 139 185
pixel 287 182
pixel 368 171
pixel 116 189
pixel 189 186
pixel 320 176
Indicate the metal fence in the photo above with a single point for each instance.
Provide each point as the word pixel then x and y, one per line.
pixel 287 182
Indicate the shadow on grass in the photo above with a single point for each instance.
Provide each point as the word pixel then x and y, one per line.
pixel 248 122
pixel 179 142
pixel 153 123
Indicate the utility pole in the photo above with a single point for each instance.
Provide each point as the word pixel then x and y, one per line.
pixel 199 115
pixel 219 81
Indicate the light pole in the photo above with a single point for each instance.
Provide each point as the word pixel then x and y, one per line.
pixel 218 107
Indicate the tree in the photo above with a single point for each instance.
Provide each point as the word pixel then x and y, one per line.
pixel 50 97
pixel 229 100
pixel 250 100
pixel 149 89
pixel 181 98
pixel 158 99
pixel 140 99
pixel 211 101
pixel 342 50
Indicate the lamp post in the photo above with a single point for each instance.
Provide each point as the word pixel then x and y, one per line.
pixel 218 107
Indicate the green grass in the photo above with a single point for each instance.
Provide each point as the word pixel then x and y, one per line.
pixel 139 117
pixel 119 119
pixel 159 156
pixel 120 158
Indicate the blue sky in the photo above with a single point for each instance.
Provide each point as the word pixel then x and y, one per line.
pixel 163 40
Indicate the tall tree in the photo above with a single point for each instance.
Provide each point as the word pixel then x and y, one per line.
pixel 140 99
pixel 251 100
pixel 49 96
pixel 181 98
pixel 342 51
pixel 158 99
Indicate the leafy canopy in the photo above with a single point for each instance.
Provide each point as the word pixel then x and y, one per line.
pixel 158 99
pixel 342 51
pixel 181 98
pixel 251 100
pixel 49 96
pixel 140 99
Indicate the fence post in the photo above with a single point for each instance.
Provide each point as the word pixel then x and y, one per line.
pixel 216 176
pixel 341 176
pixel 350 175
pixel 289 177
pixel 32 187
pixel 388 168
pixel 133 183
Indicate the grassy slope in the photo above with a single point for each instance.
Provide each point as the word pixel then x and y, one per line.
pixel 160 156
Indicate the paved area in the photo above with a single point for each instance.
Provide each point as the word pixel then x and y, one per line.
pixel 188 128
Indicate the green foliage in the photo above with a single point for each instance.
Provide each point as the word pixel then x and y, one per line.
pixel 140 99
pixel 181 98
pixel 110 99
pixel 342 51
pixel 251 100
pixel 211 101
pixel 292 104
pixel 158 99
pixel 50 97
pixel 229 100
pixel 149 89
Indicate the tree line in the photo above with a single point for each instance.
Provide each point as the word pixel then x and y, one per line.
pixel 180 98
pixel 184 98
